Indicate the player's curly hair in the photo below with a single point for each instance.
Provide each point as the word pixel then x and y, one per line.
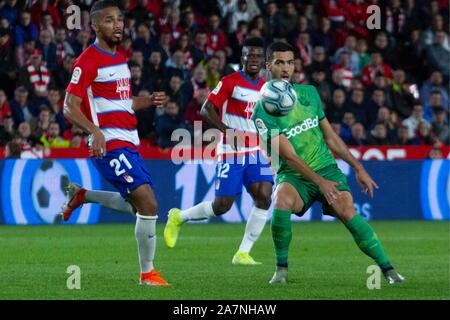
pixel 254 42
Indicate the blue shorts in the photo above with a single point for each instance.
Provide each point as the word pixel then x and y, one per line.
pixel 125 169
pixel 246 170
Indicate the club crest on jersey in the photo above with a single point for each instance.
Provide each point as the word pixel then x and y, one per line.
pixel 217 88
pixel 260 126
pixel 76 75
pixel 123 88
pixel 128 178
pixel 303 101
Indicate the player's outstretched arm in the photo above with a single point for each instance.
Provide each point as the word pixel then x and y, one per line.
pixel 339 147
pixel 73 113
pixel 157 99
pixel 288 154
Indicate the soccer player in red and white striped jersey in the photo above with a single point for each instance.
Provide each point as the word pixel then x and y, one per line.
pixel 229 108
pixel 99 101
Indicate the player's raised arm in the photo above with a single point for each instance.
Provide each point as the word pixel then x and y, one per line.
pixel 288 154
pixel 73 113
pixel 339 147
pixel 157 99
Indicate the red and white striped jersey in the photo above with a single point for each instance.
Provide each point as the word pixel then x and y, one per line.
pixel 102 81
pixel 235 96
pixel 346 73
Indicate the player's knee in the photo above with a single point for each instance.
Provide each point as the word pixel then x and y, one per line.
pixel 153 208
pixel 347 214
pixel 283 203
pixel 263 200
pixel 221 206
pixel 148 208
pixel 262 196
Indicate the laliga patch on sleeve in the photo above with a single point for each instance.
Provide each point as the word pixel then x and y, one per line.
pixel 262 129
pixel 217 88
pixel 76 75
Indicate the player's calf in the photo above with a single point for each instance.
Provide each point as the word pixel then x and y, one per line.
pixel 222 205
pixel 144 201
pixel 77 196
pixel 177 217
pixel 255 224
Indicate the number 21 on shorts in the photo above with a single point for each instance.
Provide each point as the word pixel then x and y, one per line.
pixel 117 164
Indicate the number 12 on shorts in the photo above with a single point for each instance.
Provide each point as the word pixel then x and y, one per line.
pixel 222 170
pixel 116 164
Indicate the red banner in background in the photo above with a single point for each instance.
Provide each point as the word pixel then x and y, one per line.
pixel 396 152
pixel 361 153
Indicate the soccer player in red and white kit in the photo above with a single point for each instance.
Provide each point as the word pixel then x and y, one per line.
pixel 229 108
pixel 99 101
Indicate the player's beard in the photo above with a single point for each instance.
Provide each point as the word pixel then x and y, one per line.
pixel 252 74
pixel 112 42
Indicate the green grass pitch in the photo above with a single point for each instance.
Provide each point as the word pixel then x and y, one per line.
pixel 324 261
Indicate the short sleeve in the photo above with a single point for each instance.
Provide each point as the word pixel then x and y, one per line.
pixel 318 102
pixel 82 77
pixel 265 124
pixel 220 94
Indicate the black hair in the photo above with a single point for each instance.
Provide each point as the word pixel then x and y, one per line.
pixel 4 32
pixel 240 23
pixel 133 64
pixel 44 107
pixel 100 5
pixel 254 42
pixel 436 91
pixel 201 31
pixel 278 46
pixel 53 88
pixel 35 141
pixel 438 109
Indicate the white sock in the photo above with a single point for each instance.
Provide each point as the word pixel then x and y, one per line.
pixel 255 225
pixel 203 210
pixel 111 200
pixel 145 233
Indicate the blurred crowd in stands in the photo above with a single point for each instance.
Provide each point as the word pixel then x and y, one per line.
pixel 386 86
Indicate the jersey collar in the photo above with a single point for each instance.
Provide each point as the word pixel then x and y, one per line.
pixel 103 51
pixel 250 80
